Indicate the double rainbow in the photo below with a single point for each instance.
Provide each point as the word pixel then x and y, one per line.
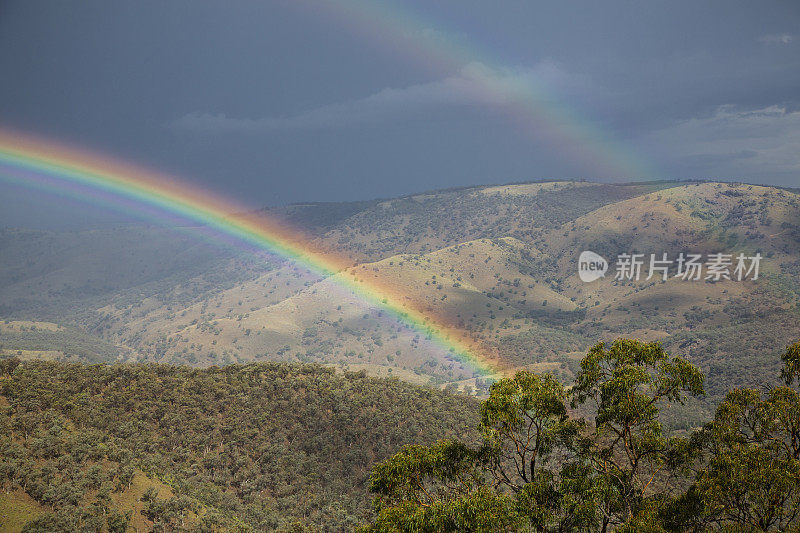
pixel 57 168
pixel 536 110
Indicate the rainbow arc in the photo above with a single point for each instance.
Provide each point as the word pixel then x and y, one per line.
pixel 61 169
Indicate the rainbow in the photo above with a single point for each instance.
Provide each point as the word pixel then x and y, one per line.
pixel 54 167
pixel 538 111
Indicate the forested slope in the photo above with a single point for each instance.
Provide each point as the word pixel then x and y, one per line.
pixel 262 445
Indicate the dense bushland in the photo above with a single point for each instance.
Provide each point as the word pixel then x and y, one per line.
pixel 256 447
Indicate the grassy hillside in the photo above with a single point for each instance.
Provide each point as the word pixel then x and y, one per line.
pixel 426 222
pixel 499 262
pixel 259 446
pixel 47 340
pixel 66 276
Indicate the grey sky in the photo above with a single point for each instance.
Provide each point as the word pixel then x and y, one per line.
pixel 296 100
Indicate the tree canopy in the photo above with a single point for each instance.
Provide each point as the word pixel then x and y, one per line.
pixel 596 457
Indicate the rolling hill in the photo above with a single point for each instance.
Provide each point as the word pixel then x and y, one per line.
pixel 499 262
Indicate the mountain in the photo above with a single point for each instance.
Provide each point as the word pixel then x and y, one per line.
pixel 499 262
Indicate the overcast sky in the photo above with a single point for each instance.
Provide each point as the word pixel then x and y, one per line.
pixel 285 101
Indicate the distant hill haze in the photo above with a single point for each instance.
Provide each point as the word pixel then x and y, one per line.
pixel 499 262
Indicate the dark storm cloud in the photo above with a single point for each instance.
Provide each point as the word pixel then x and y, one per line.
pixel 466 88
pixel 278 102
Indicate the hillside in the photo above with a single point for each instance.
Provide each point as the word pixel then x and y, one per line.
pixel 154 446
pixel 68 275
pixel 499 262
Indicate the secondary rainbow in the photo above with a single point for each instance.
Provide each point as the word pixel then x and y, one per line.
pixel 55 167
pixel 538 110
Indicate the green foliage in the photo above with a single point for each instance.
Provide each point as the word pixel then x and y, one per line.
pixel 791 364
pixel 541 469
pixel 551 472
pixel 261 446
pixel 8 365
pixel 481 510
pixel 627 450
pixel 753 474
pixel 437 488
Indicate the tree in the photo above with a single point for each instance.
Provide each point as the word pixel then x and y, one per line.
pixel 628 454
pixel 118 522
pixel 8 365
pixel 438 488
pixel 791 364
pixel 537 468
pixel 528 449
pixel 522 422
pixel 752 478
